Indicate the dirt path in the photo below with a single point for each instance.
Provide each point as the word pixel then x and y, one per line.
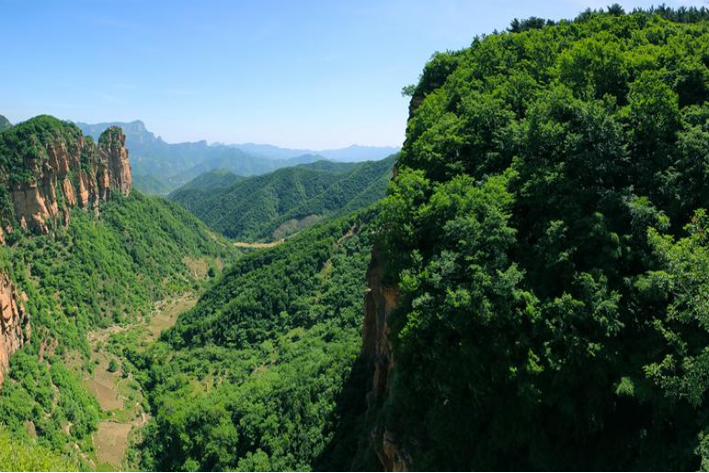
pixel 119 396
pixel 242 244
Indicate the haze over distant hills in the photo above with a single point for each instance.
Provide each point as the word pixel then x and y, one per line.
pixel 160 167
pixel 274 205
pixel 353 153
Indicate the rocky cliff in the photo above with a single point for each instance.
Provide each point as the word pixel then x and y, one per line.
pixel 380 301
pixel 14 321
pixel 47 167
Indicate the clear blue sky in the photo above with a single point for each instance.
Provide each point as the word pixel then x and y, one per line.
pixel 311 74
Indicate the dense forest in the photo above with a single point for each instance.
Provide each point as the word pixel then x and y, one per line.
pixel 542 243
pixel 547 232
pixel 275 205
pixel 252 377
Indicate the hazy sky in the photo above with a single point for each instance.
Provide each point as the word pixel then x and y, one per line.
pixel 310 74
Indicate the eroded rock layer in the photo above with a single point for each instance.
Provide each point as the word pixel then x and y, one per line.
pixel 48 167
pixel 380 301
pixel 14 321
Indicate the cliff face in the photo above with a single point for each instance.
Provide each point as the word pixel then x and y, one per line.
pixel 380 301
pixel 46 168
pixel 61 173
pixel 14 322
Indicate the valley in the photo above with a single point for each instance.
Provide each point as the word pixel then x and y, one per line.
pixel 120 397
pixel 521 287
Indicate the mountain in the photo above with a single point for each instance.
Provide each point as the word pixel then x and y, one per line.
pixel 539 278
pixel 47 168
pixel 212 180
pixel 4 123
pixel 81 252
pixel 354 153
pixel 161 167
pixel 262 359
pixel 275 205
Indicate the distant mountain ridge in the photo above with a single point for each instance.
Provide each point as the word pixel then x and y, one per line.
pixel 353 153
pixel 278 204
pixel 160 167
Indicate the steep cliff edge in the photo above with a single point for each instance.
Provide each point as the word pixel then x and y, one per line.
pixel 48 167
pixel 380 300
pixel 14 322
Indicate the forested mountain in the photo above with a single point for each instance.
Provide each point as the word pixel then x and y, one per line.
pixel 523 287
pixel 252 377
pixel 212 180
pixel 274 205
pixel 79 251
pixel 545 242
pixel 161 167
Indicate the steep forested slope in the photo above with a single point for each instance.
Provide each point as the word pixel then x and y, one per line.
pixel 547 237
pixel 274 205
pixel 251 378
pixel 79 251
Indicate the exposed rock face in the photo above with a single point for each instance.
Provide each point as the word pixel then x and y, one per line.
pixel 65 174
pixel 14 322
pixel 380 301
pixel 46 168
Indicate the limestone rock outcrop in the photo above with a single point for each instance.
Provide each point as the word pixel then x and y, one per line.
pixel 47 173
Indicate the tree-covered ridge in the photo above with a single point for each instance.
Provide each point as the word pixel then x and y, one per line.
pixel 212 180
pixel 250 379
pixel 96 272
pixel 273 205
pixel 545 230
pixel 4 123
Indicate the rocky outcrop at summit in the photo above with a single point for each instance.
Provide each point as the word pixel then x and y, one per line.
pixel 47 167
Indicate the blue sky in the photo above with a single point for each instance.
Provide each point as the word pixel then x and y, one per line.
pixel 308 74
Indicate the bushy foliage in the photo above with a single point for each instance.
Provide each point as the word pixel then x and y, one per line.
pixel 251 377
pixel 18 455
pixel 540 325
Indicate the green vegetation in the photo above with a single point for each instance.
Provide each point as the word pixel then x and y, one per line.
pixel 95 273
pixel 27 456
pixel 546 233
pixel 272 206
pixel 4 123
pixel 250 378
pixel 23 146
pixel 212 180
